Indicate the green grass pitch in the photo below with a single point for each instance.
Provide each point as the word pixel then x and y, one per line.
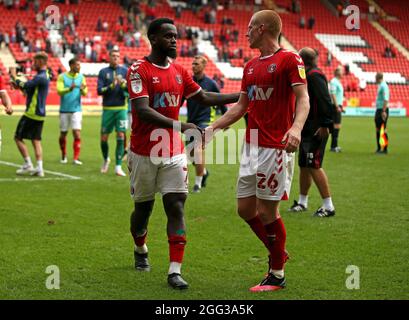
pixel 91 244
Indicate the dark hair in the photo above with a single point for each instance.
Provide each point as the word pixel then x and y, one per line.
pixel 155 25
pixel 73 61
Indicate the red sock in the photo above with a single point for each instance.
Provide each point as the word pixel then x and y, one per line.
pixel 139 240
pixel 276 235
pixel 77 148
pixel 63 142
pixel 176 248
pixel 258 228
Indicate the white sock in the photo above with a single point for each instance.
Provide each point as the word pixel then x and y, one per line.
pixel 175 267
pixel 278 273
pixel 40 165
pixel 118 168
pixel 303 200
pixel 327 204
pixel 27 160
pixel 198 181
pixel 141 250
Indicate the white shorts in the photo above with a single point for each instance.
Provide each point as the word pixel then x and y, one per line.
pixel 164 175
pixel 265 172
pixel 70 119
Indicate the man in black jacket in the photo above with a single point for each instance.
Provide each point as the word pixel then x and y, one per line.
pixel 314 138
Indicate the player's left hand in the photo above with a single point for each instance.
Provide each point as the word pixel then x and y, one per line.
pixel 291 139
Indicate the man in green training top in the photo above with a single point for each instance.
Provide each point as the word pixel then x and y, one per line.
pixel 337 97
pixel 71 86
pixel 112 86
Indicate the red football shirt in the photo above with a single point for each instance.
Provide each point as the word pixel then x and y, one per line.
pixel 165 87
pixel 267 82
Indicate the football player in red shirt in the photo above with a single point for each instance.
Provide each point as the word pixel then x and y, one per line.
pixel 275 94
pixel 157 161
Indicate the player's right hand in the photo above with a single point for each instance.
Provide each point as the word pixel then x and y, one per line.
pixel 292 139
pixel 207 136
pixel 9 111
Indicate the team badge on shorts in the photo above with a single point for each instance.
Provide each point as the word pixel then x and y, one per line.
pixel 272 67
pixel 301 71
pixel 179 78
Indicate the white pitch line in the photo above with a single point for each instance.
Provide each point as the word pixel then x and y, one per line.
pixel 34 179
pixel 45 171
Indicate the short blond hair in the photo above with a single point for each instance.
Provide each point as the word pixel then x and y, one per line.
pixel 201 57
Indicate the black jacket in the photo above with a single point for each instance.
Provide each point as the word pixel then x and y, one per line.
pixel 321 106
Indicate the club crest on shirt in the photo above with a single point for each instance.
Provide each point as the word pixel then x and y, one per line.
pixel 179 78
pixel 250 71
pixel 272 67
pixel 155 80
pixel 136 86
pixel 301 71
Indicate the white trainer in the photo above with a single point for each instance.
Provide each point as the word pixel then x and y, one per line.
pixel 105 166
pixel 37 172
pixel 25 169
pixel 64 160
pixel 77 162
pixel 119 172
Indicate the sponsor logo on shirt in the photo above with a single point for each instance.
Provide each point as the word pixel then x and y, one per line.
pixel 257 93
pixel 136 86
pixel 301 71
pixel 155 80
pixel 250 71
pixel 134 76
pixel 165 99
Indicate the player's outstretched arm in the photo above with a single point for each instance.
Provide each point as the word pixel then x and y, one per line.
pixel 147 114
pixel 292 137
pixel 215 99
pixel 230 117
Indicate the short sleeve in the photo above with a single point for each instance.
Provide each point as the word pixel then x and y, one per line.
pixel 296 70
pixel 191 88
pixel 243 88
pixel 137 82
pixel 386 93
